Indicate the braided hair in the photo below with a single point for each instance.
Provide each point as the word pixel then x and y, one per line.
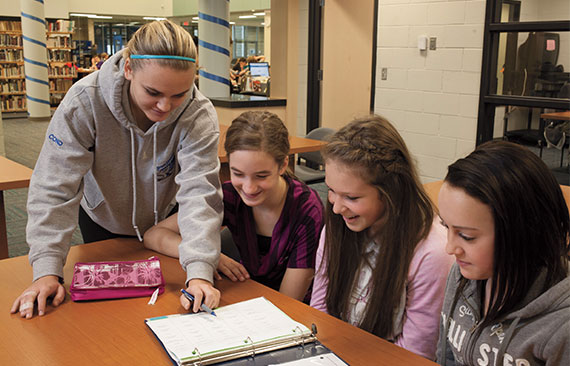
pixel 372 149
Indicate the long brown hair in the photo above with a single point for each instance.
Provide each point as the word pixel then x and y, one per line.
pixel 259 131
pixel 373 148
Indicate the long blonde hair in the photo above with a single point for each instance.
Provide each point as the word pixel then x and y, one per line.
pixel 161 38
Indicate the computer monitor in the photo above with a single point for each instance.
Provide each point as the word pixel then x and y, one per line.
pixel 259 69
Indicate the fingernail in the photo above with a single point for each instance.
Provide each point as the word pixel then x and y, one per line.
pixel 41 313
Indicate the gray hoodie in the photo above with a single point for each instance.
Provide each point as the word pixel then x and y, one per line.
pixel 126 179
pixel 536 334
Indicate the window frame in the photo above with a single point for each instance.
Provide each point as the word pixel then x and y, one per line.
pixel 487 101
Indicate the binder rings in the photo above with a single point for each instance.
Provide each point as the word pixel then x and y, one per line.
pixel 253 328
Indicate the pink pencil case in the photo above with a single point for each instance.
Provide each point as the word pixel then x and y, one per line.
pixel 115 280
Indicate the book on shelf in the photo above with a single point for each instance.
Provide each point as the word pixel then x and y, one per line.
pixel 10 25
pixel 252 328
pixel 12 86
pixel 58 41
pixel 61 25
pixel 9 71
pixel 59 55
pixel 14 103
pixel 11 55
pixel 11 40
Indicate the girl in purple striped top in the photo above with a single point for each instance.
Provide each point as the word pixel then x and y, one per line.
pixel 274 219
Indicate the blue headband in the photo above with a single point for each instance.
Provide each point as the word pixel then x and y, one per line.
pixel 165 57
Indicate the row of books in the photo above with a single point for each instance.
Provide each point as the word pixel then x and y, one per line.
pixel 62 71
pixel 10 40
pixel 61 25
pixel 58 41
pixel 59 55
pixel 11 71
pixel 10 25
pixel 14 103
pixel 12 86
pixel 60 85
pixel 11 55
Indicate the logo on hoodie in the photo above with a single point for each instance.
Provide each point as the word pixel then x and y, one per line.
pixel 55 139
pixel 497 330
pixel 165 170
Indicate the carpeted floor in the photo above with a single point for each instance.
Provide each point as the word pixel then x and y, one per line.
pixel 23 141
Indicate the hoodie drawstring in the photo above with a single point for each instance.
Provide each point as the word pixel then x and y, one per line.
pixel 155 175
pixel 507 339
pixel 134 174
pixel 443 337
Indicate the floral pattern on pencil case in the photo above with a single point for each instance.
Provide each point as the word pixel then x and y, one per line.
pixel 117 274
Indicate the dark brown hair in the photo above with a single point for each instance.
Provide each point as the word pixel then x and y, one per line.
pixel 530 215
pixel 373 148
pixel 259 131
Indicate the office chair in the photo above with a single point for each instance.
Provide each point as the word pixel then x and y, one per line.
pixel 228 247
pixel 312 171
pixel 535 62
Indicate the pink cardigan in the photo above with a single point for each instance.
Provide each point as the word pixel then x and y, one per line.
pixel 424 292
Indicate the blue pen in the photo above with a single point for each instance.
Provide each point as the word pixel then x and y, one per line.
pixel 203 306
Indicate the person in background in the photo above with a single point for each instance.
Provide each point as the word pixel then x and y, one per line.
pixel 251 59
pixel 239 69
pixel 126 146
pixel 103 57
pixel 507 300
pixel 274 219
pixel 381 263
pixel 95 59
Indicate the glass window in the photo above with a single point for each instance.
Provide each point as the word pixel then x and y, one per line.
pixel 534 64
pixel 248 41
pixel 534 10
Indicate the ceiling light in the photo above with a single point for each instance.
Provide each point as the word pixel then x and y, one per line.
pixel 247 16
pixel 92 16
pixel 260 14
pixel 195 18
pixel 232 22
pixel 82 15
pixel 153 18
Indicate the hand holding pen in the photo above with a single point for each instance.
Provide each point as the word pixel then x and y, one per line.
pixel 191 299
pixel 203 292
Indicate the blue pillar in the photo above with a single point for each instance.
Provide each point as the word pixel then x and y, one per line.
pixel 35 59
pixel 213 47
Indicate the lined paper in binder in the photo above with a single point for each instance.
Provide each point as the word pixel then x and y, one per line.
pixel 239 330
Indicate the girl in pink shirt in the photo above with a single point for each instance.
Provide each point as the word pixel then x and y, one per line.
pixel 381 263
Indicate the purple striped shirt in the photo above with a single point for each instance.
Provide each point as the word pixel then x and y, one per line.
pixel 295 236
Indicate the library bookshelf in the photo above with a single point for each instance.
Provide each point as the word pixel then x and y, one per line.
pixel 61 69
pixel 12 80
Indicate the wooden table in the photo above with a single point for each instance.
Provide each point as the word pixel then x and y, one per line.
pixel 113 332
pixel 12 175
pixel 296 145
pixel 559 116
